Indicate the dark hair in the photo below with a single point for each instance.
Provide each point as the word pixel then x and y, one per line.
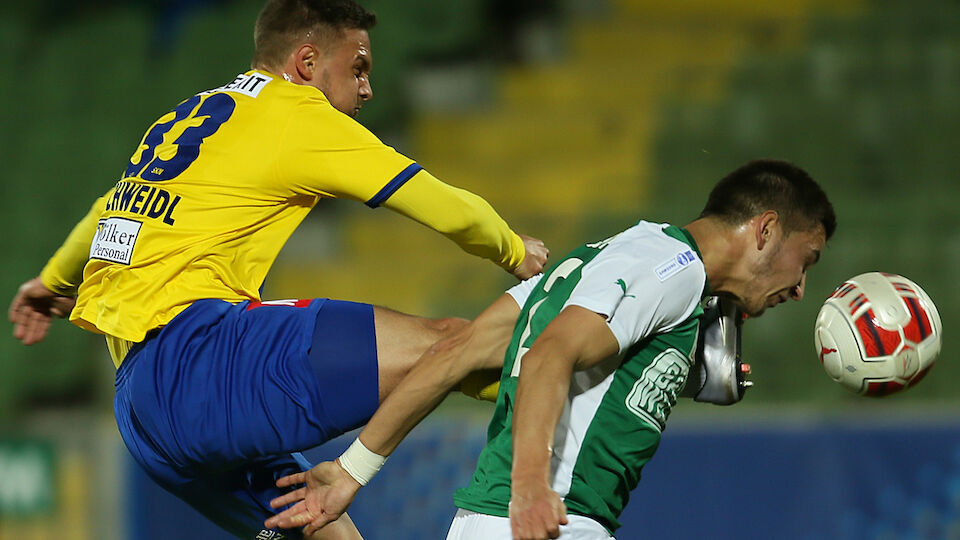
pixel 767 184
pixel 282 23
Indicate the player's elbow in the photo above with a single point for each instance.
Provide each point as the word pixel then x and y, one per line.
pixel 461 226
pixel 466 213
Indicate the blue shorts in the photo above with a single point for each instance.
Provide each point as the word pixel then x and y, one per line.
pixel 216 406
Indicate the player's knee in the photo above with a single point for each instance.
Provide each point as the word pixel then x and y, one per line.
pixel 451 341
pixel 459 354
pixel 429 332
pixel 446 326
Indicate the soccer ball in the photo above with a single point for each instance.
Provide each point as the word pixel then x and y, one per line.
pixel 877 334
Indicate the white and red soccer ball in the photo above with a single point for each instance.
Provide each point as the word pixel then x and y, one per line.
pixel 877 334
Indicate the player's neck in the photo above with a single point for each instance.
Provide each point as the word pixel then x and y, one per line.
pixel 722 248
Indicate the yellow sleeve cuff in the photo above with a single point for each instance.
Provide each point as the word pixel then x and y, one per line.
pixel 517 252
pixel 64 271
pixel 482 385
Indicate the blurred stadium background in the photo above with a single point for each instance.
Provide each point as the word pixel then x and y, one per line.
pixel 574 118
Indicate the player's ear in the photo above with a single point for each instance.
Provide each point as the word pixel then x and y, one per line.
pixel 765 227
pixel 306 60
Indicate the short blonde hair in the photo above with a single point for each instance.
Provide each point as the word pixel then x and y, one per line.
pixel 282 24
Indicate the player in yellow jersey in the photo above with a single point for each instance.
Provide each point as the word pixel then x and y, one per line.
pixel 216 390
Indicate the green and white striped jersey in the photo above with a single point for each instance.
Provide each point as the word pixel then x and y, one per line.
pixel 649 282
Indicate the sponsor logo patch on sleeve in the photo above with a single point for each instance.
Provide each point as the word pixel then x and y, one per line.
pixel 671 266
pixel 115 239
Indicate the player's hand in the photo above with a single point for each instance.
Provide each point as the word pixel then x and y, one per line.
pixel 32 309
pixel 534 260
pixel 327 492
pixel 536 512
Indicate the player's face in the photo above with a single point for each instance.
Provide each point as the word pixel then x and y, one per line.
pixel 345 72
pixel 780 269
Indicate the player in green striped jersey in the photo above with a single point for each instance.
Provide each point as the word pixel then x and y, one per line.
pixel 599 348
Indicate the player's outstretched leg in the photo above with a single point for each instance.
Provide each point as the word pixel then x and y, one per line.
pixel 401 341
pixel 222 395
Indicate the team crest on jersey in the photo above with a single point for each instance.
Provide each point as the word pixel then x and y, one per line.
pixel 268 535
pixel 115 239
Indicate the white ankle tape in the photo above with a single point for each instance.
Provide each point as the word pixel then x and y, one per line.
pixel 360 462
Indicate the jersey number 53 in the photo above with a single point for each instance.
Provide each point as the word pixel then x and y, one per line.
pixel 158 158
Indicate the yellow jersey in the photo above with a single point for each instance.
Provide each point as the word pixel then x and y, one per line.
pixel 215 189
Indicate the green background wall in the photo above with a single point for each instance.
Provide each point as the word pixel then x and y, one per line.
pixel 867 103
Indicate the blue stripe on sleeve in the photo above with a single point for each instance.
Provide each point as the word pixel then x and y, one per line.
pixel 393 185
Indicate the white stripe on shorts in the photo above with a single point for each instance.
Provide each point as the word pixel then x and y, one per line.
pixel 469 525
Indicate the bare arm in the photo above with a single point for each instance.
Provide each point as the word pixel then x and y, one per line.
pixel 479 345
pixel 575 340
pixel 329 489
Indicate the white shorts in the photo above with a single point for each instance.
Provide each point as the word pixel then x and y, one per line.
pixel 469 525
